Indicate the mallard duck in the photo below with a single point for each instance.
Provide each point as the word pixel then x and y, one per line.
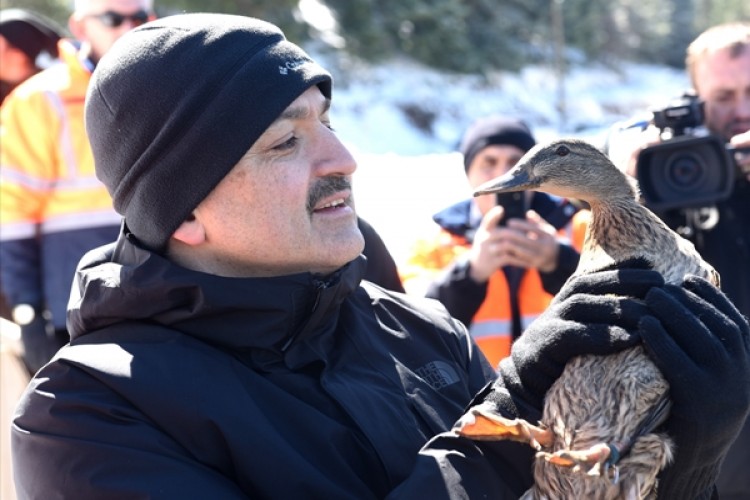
pixel 597 436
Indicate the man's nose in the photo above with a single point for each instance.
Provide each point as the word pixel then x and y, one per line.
pixel 335 158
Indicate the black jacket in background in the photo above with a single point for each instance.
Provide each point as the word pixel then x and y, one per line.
pixel 179 384
pixel 381 268
pixel 727 247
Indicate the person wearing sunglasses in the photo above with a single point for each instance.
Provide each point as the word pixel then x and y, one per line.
pixel 99 23
pixel 52 207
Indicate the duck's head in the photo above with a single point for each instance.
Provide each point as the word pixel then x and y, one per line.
pixel 570 168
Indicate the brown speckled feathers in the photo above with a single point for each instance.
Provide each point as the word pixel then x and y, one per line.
pixel 600 401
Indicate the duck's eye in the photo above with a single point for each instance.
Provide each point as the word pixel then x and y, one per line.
pixel 562 151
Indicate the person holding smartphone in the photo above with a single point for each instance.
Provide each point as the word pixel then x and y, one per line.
pixel 495 263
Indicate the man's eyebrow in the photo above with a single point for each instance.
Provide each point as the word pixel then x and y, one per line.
pixel 299 112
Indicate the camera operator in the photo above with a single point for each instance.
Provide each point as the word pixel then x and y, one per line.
pixel 718 64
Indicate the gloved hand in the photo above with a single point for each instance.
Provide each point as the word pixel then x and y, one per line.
pixel 37 337
pixel 596 313
pixel 701 344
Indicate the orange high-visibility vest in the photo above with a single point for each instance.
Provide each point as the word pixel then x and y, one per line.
pixel 48 178
pixel 491 327
pixel 52 206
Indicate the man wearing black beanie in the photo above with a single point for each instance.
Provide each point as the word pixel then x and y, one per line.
pixel 225 346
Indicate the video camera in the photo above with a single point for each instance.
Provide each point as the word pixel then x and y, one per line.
pixel 685 170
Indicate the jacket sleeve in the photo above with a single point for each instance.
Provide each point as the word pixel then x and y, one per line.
pixel 25 159
pixel 460 294
pixel 91 439
pixel 453 467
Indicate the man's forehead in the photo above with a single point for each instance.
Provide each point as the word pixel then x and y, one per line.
pixel 720 69
pixel 501 150
pixel 116 5
pixel 310 103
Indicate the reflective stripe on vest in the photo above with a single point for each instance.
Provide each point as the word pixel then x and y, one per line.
pixel 492 322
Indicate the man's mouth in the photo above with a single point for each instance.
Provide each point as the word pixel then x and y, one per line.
pixel 332 204
pixel 739 128
pixel 329 194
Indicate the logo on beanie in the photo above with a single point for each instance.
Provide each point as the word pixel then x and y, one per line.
pixel 291 66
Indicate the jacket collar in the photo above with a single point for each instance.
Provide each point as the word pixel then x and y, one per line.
pixel 267 319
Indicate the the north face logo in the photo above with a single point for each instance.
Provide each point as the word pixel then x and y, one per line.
pixel 438 374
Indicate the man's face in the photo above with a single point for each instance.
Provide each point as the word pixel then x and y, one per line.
pixel 492 161
pixel 724 84
pixel 104 21
pixel 287 206
pixel 15 65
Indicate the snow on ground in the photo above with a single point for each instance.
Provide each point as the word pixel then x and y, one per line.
pixel 407 173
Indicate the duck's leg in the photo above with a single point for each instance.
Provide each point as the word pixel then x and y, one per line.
pixel 482 424
pixel 593 461
pixel 602 458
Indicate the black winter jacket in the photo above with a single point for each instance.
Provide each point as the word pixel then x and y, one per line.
pixel 179 384
pixel 727 247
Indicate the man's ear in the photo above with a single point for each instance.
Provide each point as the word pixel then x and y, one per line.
pixel 190 232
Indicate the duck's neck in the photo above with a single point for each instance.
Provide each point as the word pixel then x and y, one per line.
pixel 615 233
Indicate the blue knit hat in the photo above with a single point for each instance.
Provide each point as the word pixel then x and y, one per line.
pixel 176 103
pixel 495 130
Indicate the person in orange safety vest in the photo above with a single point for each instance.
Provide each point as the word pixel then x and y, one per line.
pixel 52 207
pixel 497 276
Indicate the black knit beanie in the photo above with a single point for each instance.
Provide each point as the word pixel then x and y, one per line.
pixel 30 32
pixel 175 104
pixel 495 130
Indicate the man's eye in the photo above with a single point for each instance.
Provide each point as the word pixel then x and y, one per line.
pixel 288 144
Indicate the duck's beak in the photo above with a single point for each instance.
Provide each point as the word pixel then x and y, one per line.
pixel 517 179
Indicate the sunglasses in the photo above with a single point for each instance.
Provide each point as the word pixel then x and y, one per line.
pixel 112 19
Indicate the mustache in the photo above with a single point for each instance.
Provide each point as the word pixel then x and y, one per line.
pixel 326 187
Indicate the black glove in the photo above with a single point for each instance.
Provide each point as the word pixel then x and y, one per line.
pixel 593 314
pixel 701 344
pixel 38 341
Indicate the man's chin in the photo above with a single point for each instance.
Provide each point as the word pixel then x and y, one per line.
pixel 345 251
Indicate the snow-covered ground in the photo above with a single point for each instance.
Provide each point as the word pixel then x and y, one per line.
pixel 406 173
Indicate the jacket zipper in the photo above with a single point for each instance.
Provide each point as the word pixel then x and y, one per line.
pixel 319 287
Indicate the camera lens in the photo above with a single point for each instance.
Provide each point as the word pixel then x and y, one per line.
pixel 684 171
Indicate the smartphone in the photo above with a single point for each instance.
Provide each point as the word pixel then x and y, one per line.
pixel 514 204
